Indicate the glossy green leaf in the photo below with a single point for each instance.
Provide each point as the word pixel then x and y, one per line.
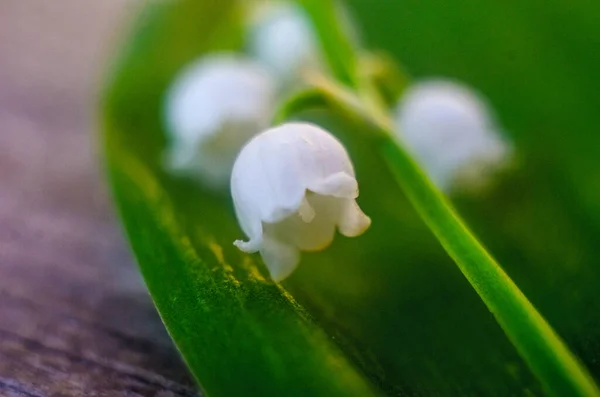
pixel 387 312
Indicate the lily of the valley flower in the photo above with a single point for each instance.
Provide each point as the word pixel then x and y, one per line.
pixel 282 38
pixel 451 132
pixel 214 107
pixel 292 186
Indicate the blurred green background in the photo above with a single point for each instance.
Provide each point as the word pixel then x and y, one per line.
pixel 394 303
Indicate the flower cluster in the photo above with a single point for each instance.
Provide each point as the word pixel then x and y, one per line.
pixel 217 103
pixel 294 185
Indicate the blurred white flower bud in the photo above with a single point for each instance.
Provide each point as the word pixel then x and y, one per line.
pixel 451 131
pixel 282 38
pixel 213 108
pixel 292 186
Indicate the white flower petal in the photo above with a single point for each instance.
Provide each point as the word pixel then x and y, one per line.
pixel 449 128
pixel 284 162
pixel 215 105
pixel 282 38
pixel 292 186
pixel 306 211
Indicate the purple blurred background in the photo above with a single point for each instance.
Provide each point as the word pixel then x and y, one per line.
pixel 75 318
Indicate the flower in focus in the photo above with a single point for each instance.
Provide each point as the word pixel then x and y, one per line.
pixel 451 132
pixel 292 186
pixel 213 108
pixel 281 37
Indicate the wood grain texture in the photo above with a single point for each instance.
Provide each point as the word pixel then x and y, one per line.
pixel 75 317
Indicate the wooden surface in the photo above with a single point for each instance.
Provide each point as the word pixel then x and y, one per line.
pixel 75 318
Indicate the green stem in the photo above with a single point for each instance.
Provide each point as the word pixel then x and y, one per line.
pixel 384 74
pixel 337 49
pixel 311 98
pixel 543 350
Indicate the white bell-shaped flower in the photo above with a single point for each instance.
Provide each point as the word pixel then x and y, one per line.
pixel 282 38
pixel 213 108
pixel 451 131
pixel 292 186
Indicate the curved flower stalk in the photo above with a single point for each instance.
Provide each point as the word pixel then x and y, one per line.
pixel 212 109
pixel 292 186
pixel 281 37
pixel 450 130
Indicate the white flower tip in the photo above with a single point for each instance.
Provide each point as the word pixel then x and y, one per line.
pixel 306 212
pixel 281 259
pixel 354 222
pixel 249 247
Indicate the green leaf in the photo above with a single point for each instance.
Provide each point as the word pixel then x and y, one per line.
pixel 239 332
pixel 387 311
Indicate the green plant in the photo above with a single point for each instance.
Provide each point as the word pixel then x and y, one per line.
pixel 364 317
